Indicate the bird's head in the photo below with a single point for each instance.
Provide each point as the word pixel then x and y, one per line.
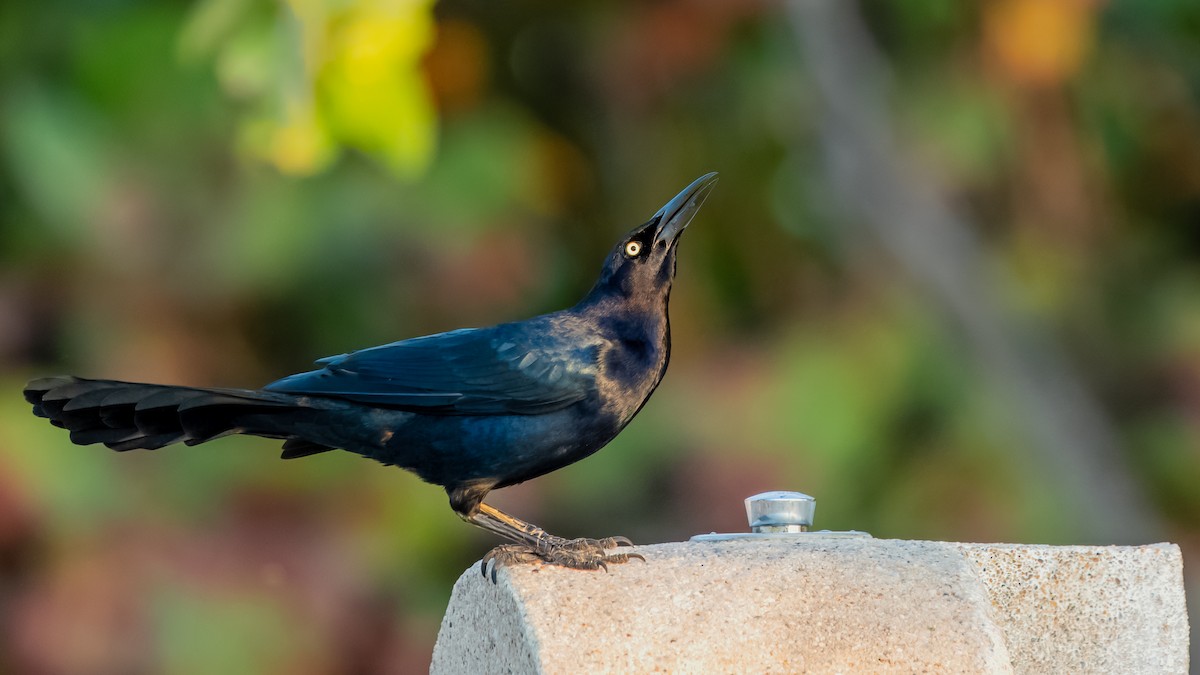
pixel 642 264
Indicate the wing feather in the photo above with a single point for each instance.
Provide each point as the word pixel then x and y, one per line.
pixel 526 368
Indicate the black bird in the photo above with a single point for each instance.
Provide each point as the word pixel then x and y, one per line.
pixel 472 410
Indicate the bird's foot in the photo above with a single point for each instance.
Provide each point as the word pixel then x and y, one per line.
pixel 579 554
pixel 590 554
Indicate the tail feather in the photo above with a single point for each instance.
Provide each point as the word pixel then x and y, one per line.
pixel 88 399
pixel 147 442
pixel 128 415
pixel 89 436
pixel 294 448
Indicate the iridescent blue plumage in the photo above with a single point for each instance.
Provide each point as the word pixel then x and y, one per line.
pixel 471 410
pixel 524 368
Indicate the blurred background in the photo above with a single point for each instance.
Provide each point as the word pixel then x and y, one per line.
pixel 949 284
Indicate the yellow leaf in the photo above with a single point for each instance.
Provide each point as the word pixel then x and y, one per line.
pixel 301 146
pixel 1039 42
pixel 372 88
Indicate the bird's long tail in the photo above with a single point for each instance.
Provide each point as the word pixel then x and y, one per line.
pixel 129 415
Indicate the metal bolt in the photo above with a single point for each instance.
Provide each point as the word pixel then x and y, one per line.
pixel 780 511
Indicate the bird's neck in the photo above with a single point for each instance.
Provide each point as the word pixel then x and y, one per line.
pixel 639 324
pixel 607 298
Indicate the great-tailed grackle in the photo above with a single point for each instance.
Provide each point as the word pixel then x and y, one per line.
pixel 471 410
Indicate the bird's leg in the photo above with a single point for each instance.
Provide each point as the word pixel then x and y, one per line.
pixel 534 543
pixel 493 519
pixel 496 521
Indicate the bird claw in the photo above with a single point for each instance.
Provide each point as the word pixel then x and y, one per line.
pixel 508 554
pixel 614 542
pixel 578 554
pixel 602 544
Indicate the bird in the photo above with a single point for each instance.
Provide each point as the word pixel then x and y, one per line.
pixel 471 410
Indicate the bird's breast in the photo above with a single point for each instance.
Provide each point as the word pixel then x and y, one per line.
pixel 630 369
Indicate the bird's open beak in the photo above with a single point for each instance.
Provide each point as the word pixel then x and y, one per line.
pixel 675 216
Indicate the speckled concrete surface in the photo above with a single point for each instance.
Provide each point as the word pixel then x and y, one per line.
pixel 816 604
pixel 1098 609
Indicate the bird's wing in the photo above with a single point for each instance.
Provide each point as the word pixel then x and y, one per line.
pixel 526 369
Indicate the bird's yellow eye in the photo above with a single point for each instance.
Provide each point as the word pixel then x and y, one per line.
pixel 633 248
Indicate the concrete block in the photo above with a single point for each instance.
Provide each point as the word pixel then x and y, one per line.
pixel 1095 609
pixel 814 603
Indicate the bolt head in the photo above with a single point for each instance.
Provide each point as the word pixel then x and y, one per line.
pixel 780 511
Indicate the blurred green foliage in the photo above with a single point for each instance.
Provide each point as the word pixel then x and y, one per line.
pixel 218 191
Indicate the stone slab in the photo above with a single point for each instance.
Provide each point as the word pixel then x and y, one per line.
pixel 1097 609
pixel 824 604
